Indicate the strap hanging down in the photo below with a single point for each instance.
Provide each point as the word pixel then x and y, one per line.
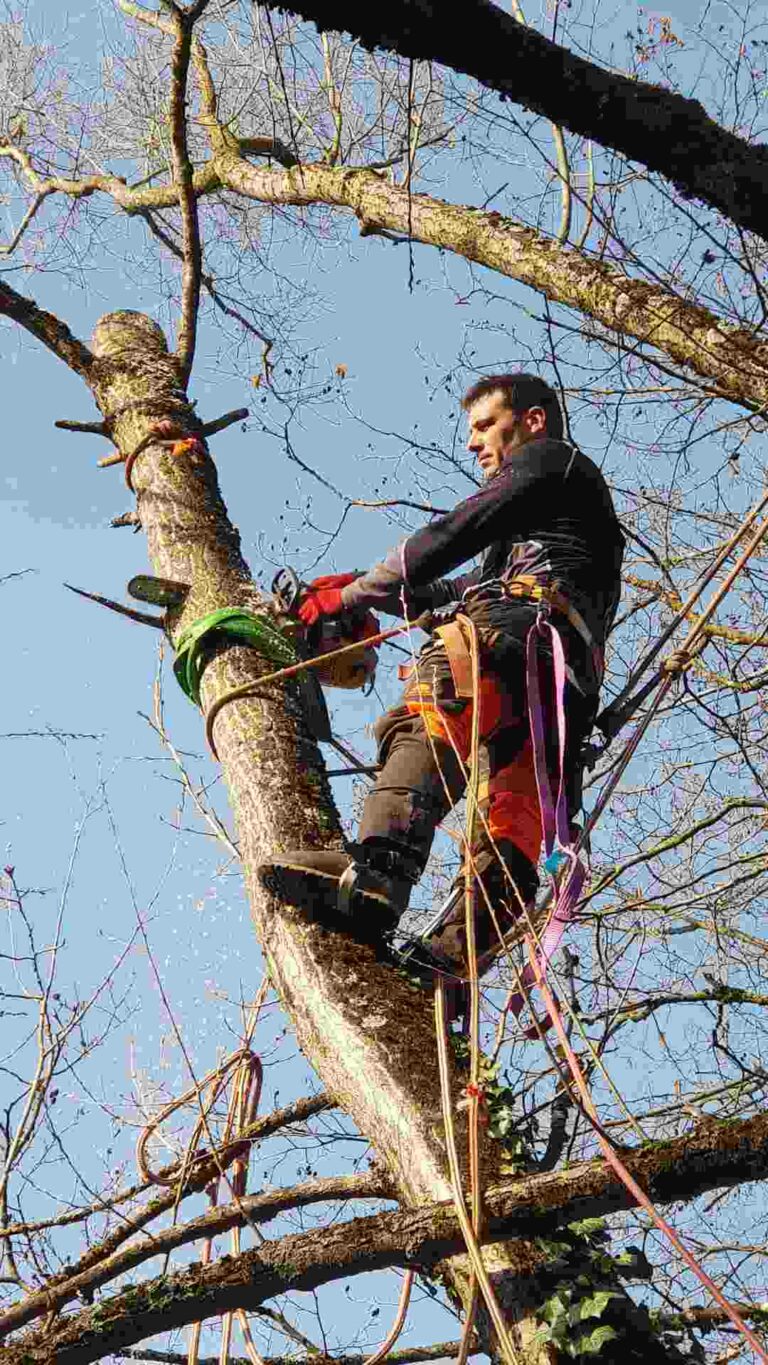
pixel 558 846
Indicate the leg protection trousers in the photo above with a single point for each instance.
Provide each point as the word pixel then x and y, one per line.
pixel 424 743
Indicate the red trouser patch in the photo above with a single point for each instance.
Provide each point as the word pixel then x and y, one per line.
pixel 508 794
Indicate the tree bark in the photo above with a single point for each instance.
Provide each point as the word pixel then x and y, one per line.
pixel 646 123
pixel 365 1030
pixel 714 1155
pixel 733 359
pixel 730 358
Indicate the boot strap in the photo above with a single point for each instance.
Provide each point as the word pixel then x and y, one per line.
pixel 356 878
pixel 401 863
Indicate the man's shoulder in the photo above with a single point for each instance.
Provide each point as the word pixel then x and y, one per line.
pixel 549 458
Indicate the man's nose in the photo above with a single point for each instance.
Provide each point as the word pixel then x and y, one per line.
pixel 475 443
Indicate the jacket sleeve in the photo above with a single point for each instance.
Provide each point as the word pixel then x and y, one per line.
pixel 383 588
pixel 416 568
pixel 498 511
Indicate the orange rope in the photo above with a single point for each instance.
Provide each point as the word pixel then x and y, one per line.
pixel 241 1112
pixel 398 1324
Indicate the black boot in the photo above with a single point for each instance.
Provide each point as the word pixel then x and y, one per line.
pixel 505 878
pixel 362 890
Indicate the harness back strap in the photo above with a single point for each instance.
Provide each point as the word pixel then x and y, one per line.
pixel 525 585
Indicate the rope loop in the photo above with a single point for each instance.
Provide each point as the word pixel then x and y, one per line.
pixel 214 1082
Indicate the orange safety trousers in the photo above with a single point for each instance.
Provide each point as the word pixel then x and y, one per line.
pixel 508 798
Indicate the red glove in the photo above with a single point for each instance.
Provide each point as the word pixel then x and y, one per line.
pixel 323 597
pixel 332 580
pixel 322 602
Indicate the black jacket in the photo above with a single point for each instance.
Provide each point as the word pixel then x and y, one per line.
pixel 548 513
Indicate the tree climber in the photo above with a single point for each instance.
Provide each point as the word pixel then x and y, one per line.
pixel 546 529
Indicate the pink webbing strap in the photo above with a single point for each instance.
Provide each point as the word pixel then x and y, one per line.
pixel 554 810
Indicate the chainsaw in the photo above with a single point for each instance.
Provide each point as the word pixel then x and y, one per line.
pixel 329 634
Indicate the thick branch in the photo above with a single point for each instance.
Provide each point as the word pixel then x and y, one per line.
pixel 689 334
pixel 46 327
pixel 441 1350
pixel 734 360
pixel 254 1208
pixel 703 1319
pixel 183 179
pixel 647 123
pixel 714 1155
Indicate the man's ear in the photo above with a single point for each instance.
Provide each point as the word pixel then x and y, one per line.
pixel 535 420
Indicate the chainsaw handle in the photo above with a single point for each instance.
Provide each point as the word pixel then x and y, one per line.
pixel 286 590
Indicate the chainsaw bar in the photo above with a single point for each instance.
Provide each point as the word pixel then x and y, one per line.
pixel 161 592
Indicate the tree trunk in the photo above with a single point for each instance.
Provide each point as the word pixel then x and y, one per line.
pixel 366 1031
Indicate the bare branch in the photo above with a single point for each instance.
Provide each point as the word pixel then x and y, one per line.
pixel 409 1355
pixel 205 1168
pixel 734 359
pixel 691 335
pixel 255 1208
pixel 714 1155
pixel 184 181
pixel 702 159
pixel 46 327
pixel 86 428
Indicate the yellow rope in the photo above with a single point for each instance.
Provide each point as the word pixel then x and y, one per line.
pixel 473 1248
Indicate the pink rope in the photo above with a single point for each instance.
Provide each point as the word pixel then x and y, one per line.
pixel 618 1166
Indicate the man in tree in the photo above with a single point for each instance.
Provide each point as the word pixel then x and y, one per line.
pixel 545 527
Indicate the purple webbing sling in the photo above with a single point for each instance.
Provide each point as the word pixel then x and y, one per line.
pixel 555 826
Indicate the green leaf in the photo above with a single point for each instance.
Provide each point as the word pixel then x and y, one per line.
pixel 592 1344
pixel 555 1310
pixel 587 1227
pixel 595 1306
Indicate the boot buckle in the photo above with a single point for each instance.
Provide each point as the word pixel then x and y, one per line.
pixel 355 878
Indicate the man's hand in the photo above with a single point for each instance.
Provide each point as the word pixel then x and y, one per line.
pixel 323 597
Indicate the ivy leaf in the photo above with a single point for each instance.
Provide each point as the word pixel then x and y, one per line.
pixel 587 1227
pixel 555 1310
pixel 593 1344
pixel 595 1306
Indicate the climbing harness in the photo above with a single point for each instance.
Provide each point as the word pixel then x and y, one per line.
pixel 558 844
pixel 526 587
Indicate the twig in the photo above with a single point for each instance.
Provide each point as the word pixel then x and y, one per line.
pixel 90 428
pixel 215 297
pixel 227 420
pixel 199 1176
pixel 255 1207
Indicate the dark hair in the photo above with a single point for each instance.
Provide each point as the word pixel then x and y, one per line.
pixel 521 391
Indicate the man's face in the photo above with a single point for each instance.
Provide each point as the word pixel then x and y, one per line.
pixel 496 433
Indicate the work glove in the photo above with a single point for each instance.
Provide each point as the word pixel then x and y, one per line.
pixel 331 580
pixel 323 597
